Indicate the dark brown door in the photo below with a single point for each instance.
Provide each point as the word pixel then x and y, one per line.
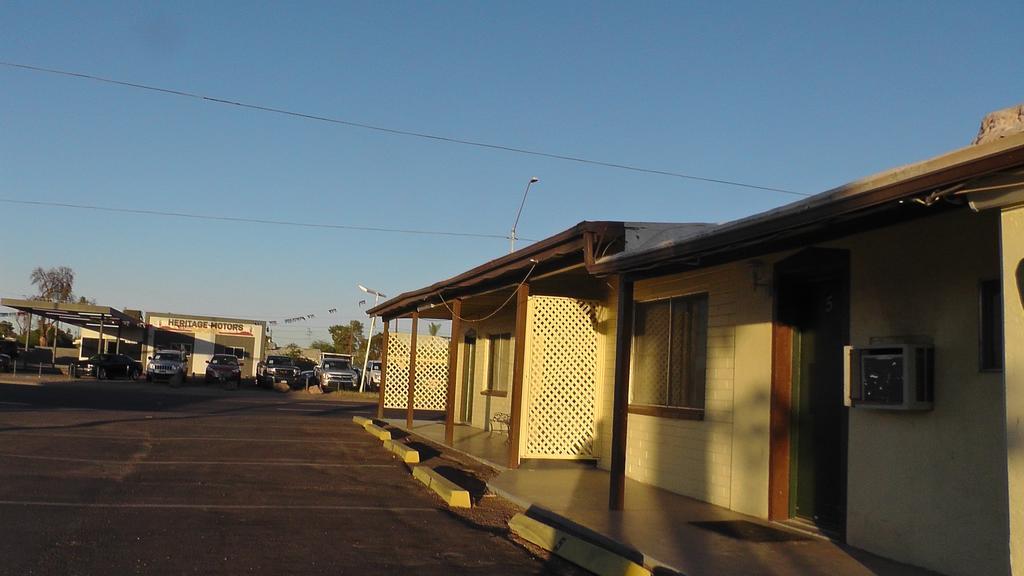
pixel 468 372
pixel 814 303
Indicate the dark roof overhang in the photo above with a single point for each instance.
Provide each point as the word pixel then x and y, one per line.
pixel 911 191
pixel 580 244
pixel 87 316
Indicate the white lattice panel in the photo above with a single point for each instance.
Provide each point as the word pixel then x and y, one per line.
pixel 396 383
pixel 562 378
pixel 431 372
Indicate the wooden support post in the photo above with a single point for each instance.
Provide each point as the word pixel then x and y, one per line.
pixel 383 369
pixel 620 395
pixel 453 371
pixel 781 413
pixel 410 406
pixel 518 370
pixel 103 320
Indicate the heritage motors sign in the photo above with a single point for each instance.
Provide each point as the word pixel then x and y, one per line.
pixel 191 325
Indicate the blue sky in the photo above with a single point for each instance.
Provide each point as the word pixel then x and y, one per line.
pixel 802 96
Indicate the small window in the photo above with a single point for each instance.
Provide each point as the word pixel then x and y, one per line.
pixel 499 371
pixel 669 354
pixel 990 343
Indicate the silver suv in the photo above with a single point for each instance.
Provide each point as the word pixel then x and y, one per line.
pixel 167 364
pixel 337 373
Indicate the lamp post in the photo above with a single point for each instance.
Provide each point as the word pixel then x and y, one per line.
pixel 512 236
pixel 373 319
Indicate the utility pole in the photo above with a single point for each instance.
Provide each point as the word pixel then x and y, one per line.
pixel 512 235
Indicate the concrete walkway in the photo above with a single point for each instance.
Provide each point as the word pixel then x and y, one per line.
pixel 661 525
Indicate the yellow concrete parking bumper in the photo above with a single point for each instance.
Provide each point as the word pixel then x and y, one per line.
pixel 450 492
pixel 362 420
pixel 407 454
pixel 377 431
pixel 580 552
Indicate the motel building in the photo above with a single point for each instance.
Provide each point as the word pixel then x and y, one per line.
pixel 139 334
pixel 848 367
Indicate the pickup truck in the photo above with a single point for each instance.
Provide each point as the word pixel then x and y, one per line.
pixel 372 376
pixel 276 369
pixel 337 372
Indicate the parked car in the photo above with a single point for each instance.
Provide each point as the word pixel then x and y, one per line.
pixel 223 368
pixel 276 369
pixel 104 366
pixel 306 379
pixel 337 373
pixel 5 363
pixel 9 347
pixel 372 376
pixel 167 364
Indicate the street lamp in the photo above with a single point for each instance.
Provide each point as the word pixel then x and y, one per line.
pixel 373 319
pixel 512 236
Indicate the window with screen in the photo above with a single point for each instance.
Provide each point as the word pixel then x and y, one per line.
pixel 991 326
pixel 669 353
pixel 499 370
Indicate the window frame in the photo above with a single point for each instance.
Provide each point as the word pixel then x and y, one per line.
pixel 492 363
pixel 984 354
pixel 662 410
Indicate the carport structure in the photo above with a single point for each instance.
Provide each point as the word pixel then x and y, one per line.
pixel 103 319
pixel 531 350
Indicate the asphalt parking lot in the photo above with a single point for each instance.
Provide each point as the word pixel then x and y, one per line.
pixel 121 478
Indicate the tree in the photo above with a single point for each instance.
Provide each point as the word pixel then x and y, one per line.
pixel 322 346
pixel 7 329
pixel 293 351
pixel 376 345
pixel 433 328
pixel 54 285
pixel 348 338
pixel 375 350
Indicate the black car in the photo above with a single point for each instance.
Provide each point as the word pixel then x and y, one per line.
pixel 5 363
pixel 223 368
pixel 9 347
pixel 104 366
pixel 277 369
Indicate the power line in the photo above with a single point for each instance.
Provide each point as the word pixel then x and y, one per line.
pixel 248 220
pixel 400 132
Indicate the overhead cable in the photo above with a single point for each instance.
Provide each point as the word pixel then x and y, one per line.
pixel 496 310
pixel 402 132
pixel 249 220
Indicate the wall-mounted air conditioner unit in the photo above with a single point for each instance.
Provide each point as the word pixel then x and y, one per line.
pixel 891 376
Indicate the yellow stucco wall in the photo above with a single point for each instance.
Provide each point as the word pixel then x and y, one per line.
pixel 687 456
pixel 724 458
pixel 924 488
pixel 1012 244
pixel 484 405
pixel 752 388
pixel 929 488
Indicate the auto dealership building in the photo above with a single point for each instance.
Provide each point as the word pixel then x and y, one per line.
pixel 204 336
pixel 138 334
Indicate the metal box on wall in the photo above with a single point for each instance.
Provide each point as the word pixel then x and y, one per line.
pixel 890 376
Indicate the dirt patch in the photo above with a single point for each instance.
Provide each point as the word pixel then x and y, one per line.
pixel 426 451
pixel 490 513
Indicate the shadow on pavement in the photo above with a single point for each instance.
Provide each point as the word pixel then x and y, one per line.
pixel 61 396
pixel 467 480
pixel 426 451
